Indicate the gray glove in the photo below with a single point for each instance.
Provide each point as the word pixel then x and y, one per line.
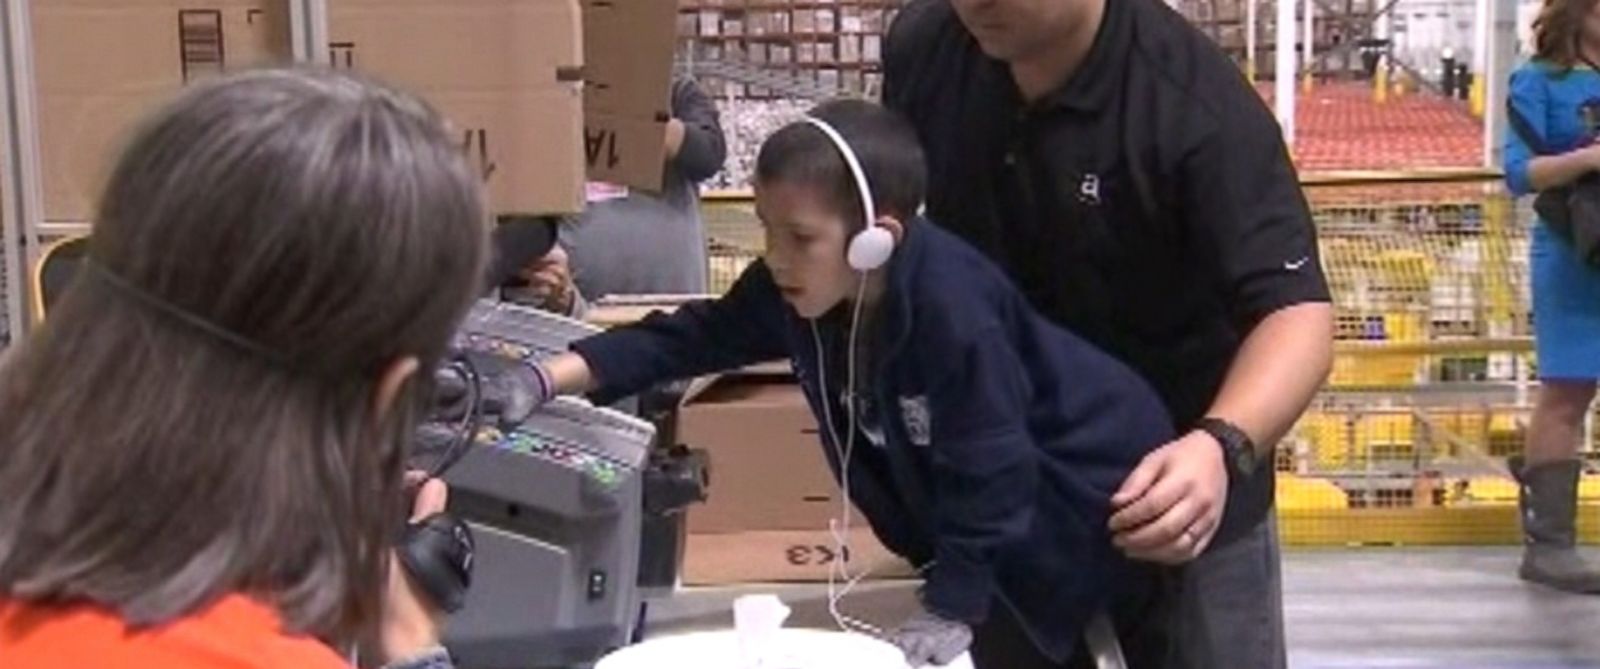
pixel 928 639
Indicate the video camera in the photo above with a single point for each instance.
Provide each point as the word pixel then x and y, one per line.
pixel 554 502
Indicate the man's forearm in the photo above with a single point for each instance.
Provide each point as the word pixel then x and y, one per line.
pixel 1283 362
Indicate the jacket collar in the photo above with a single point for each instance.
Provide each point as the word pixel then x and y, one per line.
pixel 894 317
pixel 904 267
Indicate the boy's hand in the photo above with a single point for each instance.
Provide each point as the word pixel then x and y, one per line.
pixel 1171 505
pixel 929 640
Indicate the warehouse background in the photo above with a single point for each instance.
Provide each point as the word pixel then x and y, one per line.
pixel 1394 132
pixel 1425 251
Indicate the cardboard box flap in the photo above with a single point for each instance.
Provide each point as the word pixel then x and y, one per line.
pixel 628 47
pixel 101 65
pixel 628 52
pixel 458 46
pixel 763 379
pixel 501 71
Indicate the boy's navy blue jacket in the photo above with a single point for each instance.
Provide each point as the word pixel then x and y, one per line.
pixel 1004 436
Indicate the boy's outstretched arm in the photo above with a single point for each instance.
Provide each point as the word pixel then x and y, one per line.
pixel 742 328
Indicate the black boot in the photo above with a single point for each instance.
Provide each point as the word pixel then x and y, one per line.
pixel 1548 497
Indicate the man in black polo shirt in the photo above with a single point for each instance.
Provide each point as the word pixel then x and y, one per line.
pixel 1137 189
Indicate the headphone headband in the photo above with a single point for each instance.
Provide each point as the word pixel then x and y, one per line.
pixel 859 175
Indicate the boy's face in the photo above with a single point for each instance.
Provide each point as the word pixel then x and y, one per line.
pixel 806 242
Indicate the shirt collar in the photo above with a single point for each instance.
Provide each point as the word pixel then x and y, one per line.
pixel 1095 84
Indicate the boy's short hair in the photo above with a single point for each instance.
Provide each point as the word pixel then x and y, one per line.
pixel 885 144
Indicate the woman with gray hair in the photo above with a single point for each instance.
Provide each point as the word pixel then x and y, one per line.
pixel 203 447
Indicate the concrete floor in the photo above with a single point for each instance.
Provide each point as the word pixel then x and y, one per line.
pixel 1456 608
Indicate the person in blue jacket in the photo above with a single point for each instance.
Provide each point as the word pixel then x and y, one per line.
pixel 982 442
pixel 1556 98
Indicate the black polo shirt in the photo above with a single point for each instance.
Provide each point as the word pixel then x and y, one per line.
pixel 1148 204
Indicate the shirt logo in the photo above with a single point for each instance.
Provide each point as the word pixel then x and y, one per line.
pixel 1089 190
pixel 914 413
pixel 1295 265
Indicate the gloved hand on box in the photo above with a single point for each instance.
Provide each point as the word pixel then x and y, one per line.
pixel 930 640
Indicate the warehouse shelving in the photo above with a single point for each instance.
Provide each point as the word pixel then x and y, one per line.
pixel 836 45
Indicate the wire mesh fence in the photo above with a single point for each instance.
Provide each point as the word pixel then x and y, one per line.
pixel 1433 377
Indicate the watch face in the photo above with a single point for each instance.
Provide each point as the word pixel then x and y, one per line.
pixel 1240 453
pixel 1243 459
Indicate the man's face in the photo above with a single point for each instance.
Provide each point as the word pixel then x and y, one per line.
pixel 805 247
pixel 1012 30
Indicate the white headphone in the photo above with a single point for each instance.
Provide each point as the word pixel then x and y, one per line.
pixel 870 248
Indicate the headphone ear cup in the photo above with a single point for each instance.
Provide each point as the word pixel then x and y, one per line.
pixel 870 249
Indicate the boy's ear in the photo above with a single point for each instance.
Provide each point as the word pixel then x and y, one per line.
pixel 894 226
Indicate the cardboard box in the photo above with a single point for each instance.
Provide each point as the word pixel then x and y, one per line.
pixel 828 77
pixel 628 52
pixel 784 556
pixel 825 21
pixel 872 21
pixel 850 20
pixel 872 48
pixel 101 65
pixel 509 74
pixel 850 49
pixel 767 467
pixel 504 72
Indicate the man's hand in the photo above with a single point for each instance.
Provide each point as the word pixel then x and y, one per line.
pixel 411 626
pixel 675 133
pixel 929 640
pixel 550 282
pixel 1171 505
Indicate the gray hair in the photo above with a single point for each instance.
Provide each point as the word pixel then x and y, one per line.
pixel 153 467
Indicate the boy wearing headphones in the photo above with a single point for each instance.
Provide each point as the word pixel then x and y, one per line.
pixel 981 442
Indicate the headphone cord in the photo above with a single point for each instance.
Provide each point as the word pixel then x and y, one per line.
pixel 839 528
pixel 471 423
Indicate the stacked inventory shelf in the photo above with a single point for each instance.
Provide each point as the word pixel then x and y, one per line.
pixel 838 45
pixel 1339 25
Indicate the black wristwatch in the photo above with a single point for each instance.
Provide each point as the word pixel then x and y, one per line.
pixel 1237 448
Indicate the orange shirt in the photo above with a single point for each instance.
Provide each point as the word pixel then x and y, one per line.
pixel 236 633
